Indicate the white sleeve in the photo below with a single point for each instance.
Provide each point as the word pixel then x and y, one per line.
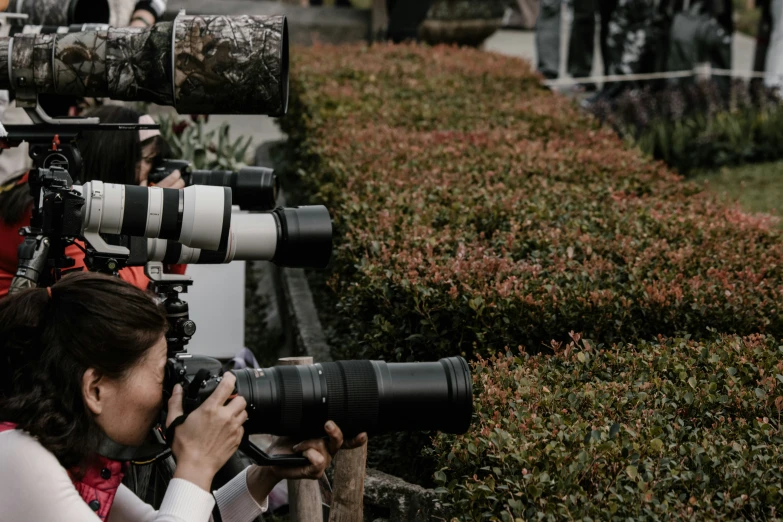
pixel 35 487
pixel 235 502
pixel 183 502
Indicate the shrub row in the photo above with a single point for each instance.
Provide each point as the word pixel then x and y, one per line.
pixel 671 429
pixel 475 210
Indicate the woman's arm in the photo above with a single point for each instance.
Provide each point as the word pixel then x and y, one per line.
pixel 234 500
pixel 183 502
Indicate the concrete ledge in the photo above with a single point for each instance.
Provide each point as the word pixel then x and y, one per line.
pixel 306 25
pixel 406 502
pixel 303 326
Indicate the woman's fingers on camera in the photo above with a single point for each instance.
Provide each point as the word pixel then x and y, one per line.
pixel 318 463
pixel 223 391
pixel 173 180
pixel 240 433
pixel 335 437
pixel 242 417
pixel 175 404
pixel 237 405
pixel 317 452
pixel 359 440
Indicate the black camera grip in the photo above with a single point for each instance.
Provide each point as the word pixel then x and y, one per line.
pixel 262 458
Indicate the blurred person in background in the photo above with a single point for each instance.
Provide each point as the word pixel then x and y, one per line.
pixel 773 60
pixel 405 17
pixel 581 42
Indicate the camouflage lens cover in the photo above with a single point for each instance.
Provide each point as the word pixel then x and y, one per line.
pixel 231 64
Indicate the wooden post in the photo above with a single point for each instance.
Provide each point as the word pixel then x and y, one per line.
pixel 348 489
pixel 304 496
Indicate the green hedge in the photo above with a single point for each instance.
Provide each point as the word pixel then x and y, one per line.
pixel 475 210
pixel 672 429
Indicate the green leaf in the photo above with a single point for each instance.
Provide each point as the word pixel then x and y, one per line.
pixel 692 382
pixel 632 471
pixel 656 444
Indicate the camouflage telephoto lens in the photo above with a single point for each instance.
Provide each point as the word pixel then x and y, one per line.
pixel 372 396
pixel 54 29
pixel 196 64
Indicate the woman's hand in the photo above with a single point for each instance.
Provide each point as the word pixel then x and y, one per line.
pixel 261 479
pixel 210 434
pixel 318 451
pixel 173 180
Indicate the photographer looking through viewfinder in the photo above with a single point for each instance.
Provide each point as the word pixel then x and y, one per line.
pixel 122 157
pixel 89 355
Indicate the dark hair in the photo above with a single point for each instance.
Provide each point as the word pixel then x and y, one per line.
pixel 46 345
pixel 111 156
pixel 15 200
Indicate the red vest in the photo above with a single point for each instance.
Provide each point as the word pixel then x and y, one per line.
pixel 98 486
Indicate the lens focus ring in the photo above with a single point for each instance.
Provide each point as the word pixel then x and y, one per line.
pixel 291 400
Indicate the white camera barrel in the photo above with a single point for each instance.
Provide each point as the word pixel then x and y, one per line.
pixel 295 237
pixel 197 216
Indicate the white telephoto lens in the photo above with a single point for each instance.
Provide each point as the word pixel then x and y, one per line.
pixel 253 236
pixel 205 217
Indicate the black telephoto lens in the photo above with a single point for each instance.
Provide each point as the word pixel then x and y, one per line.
pixel 360 396
pixel 252 188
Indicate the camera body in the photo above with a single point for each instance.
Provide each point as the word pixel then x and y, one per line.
pixel 165 167
pixel 253 188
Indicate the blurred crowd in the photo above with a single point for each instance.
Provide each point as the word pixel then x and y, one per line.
pixel 652 36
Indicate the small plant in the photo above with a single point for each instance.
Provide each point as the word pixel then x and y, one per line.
pixel 211 150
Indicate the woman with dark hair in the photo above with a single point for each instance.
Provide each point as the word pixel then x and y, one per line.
pixel 89 358
pixel 123 157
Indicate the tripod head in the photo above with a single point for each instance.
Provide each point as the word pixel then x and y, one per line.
pixel 168 288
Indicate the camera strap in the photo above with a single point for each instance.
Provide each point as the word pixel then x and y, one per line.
pixel 173 426
pixel 190 401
